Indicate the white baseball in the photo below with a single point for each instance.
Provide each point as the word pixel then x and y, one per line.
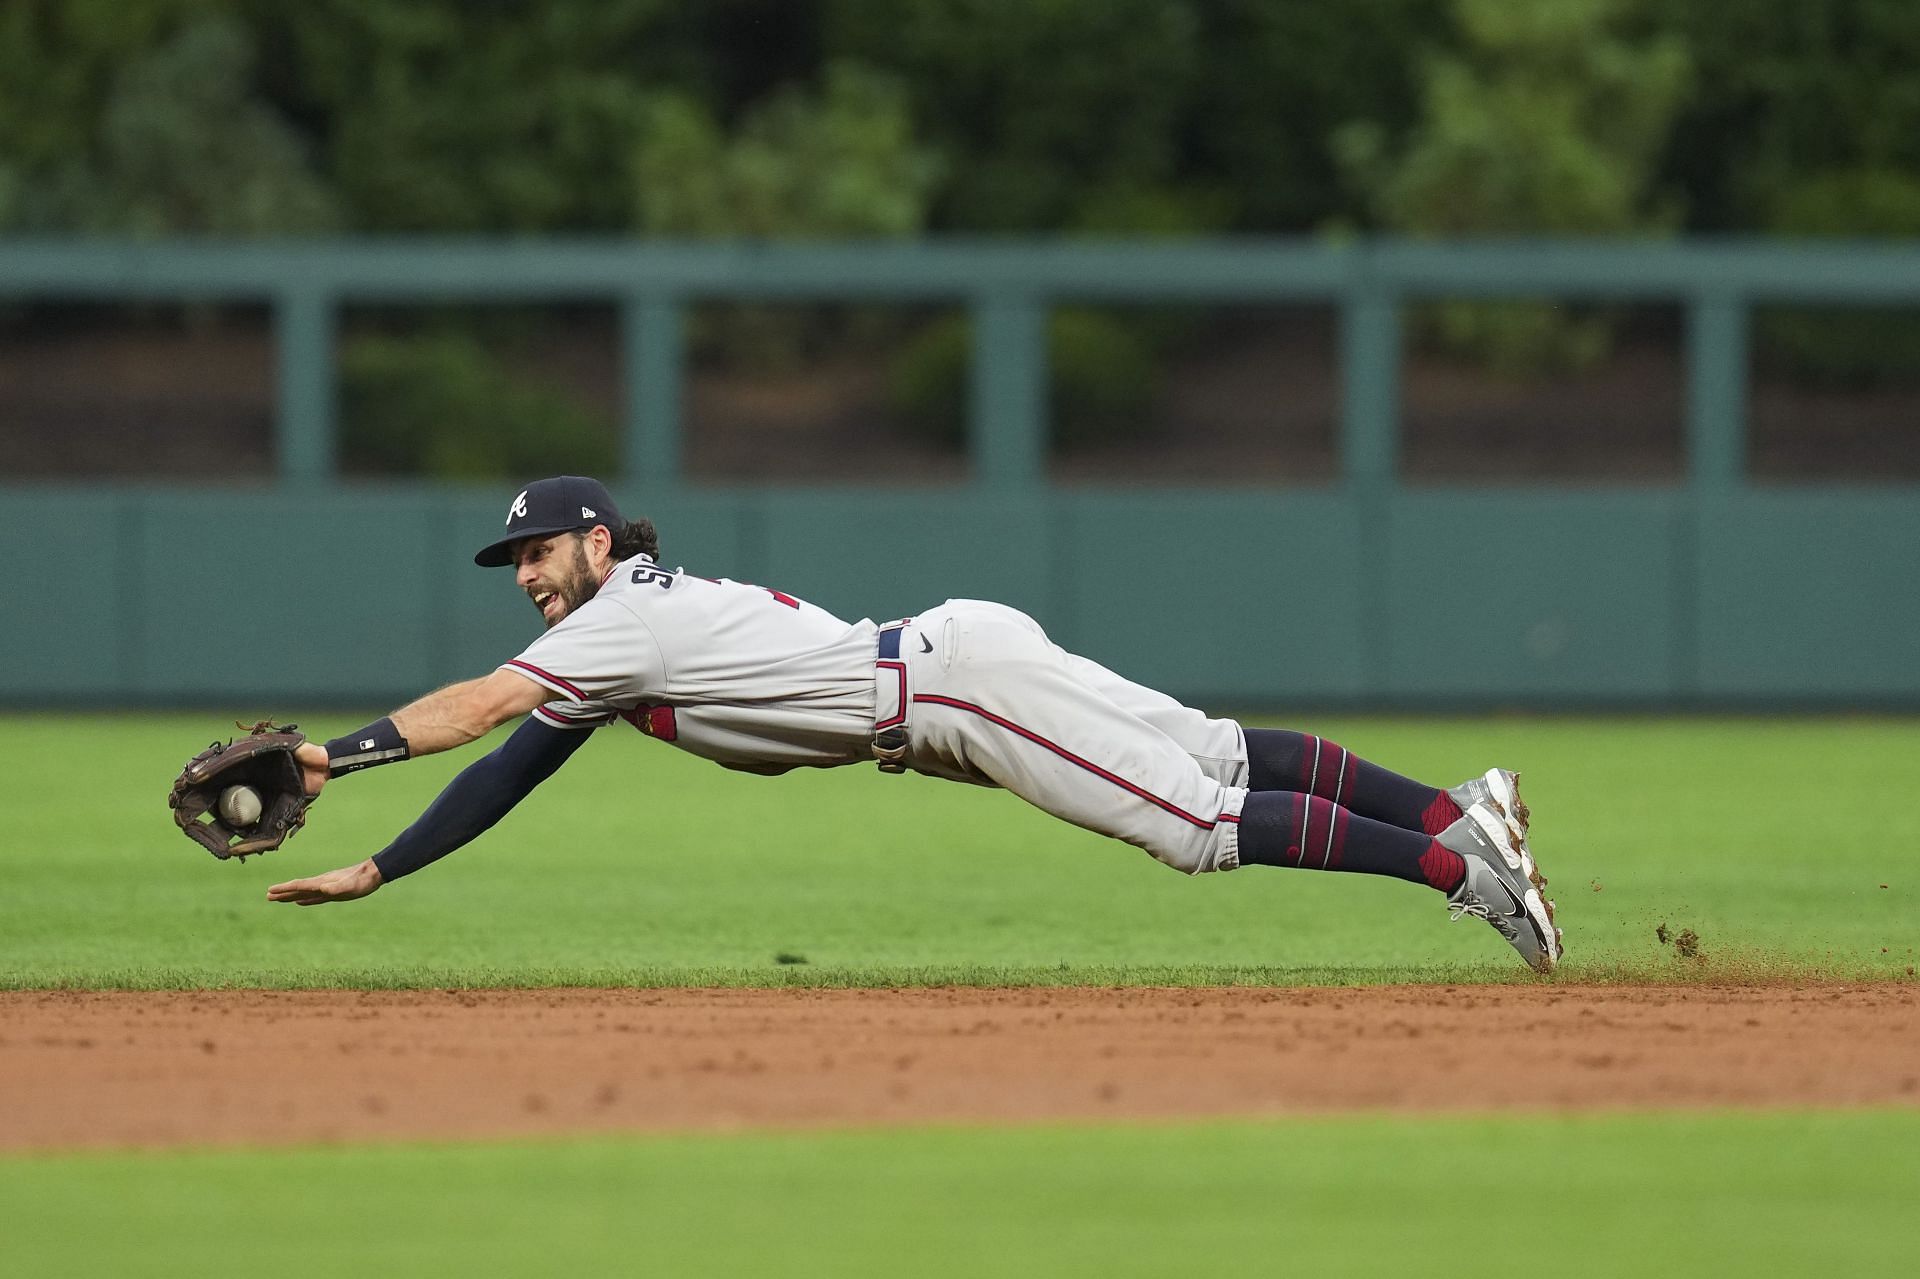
pixel 240 805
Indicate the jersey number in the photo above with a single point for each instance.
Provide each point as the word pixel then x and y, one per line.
pixel 646 573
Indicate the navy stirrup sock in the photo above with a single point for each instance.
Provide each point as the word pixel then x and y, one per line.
pixel 1280 759
pixel 1286 828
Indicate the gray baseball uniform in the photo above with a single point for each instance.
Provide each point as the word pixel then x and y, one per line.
pixel 970 690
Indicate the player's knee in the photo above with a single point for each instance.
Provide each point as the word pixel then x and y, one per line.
pixel 1192 856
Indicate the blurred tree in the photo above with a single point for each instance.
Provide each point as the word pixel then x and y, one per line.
pixel 59 61
pixel 438 404
pixel 451 117
pixel 838 163
pixel 168 138
pixel 1055 114
pixel 184 148
pixel 443 115
pixel 1101 384
pixel 1280 78
pixel 746 50
pixel 842 162
pixel 1791 89
pixel 1151 116
pixel 1855 347
pixel 1546 122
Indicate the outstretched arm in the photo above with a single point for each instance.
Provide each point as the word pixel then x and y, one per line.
pixel 443 719
pixel 483 793
pixel 462 713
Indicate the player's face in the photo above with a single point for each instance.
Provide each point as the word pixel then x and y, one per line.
pixel 554 573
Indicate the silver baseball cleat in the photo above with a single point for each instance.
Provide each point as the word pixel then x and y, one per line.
pixel 1499 790
pixel 1501 885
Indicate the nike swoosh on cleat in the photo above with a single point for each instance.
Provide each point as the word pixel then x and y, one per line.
pixel 926 645
pixel 1519 904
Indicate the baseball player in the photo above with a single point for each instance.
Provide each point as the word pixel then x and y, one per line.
pixel 759 681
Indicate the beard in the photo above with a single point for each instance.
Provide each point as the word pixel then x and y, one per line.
pixel 576 588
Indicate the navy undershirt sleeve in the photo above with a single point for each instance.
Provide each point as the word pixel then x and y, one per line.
pixel 484 792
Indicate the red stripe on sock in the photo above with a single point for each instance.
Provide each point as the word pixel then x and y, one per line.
pixel 1334 766
pixel 1443 867
pixel 1440 814
pixel 1324 834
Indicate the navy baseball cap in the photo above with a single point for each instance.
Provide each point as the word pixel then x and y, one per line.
pixel 563 504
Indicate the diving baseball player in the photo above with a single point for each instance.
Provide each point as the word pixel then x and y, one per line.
pixel 762 682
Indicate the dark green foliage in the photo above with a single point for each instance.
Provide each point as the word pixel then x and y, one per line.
pixel 449 116
pixel 1158 116
pixel 59 60
pixel 1279 79
pixel 1847 346
pixel 841 163
pixel 1808 124
pixel 1054 113
pixel 162 135
pixel 927 383
pixel 1103 377
pixel 1547 120
pixel 838 164
pixel 437 405
pixel 1154 115
pixel 800 118
pixel 1789 88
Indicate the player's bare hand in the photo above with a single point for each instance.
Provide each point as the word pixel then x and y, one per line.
pixel 343 885
pixel 312 758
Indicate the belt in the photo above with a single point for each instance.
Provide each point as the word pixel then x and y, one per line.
pixel 890 737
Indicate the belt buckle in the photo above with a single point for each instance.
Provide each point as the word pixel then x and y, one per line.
pixel 890 748
pixel 890 743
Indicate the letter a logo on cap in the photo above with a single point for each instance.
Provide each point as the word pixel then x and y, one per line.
pixel 519 508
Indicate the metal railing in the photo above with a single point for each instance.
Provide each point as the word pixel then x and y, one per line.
pixel 1007 288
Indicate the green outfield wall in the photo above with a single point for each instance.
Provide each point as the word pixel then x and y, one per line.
pixel 1362 592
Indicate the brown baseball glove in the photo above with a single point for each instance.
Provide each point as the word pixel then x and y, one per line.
pixel 263 762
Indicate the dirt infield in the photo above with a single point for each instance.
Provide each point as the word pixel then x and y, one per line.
pixel 109 1069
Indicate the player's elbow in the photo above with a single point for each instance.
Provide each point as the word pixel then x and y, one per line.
pixel 479 716
pixel 496 699
pixel 475 722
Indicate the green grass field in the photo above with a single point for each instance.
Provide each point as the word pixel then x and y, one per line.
pixel 1696 1195
pixel 1787 845
pixel 637 864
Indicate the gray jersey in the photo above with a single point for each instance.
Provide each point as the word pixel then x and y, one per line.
pixel 762 682
pixel 745 676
